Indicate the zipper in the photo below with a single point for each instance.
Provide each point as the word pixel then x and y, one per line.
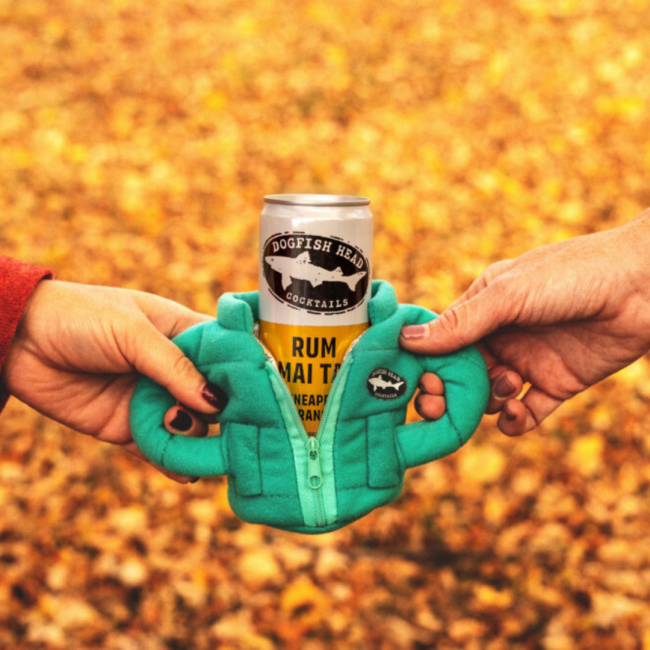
pixel 313 464
pixel 318 502
pixel 308 465
pixel 315 478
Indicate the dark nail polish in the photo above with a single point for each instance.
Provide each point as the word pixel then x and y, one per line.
pixel 503 388
pixel 181 422
pixel 214 396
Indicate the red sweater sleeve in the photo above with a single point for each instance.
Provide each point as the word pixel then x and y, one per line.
pixel 17 281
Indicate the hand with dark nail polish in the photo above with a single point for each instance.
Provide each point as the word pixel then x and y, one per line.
pixel 78 351
pixel 561 317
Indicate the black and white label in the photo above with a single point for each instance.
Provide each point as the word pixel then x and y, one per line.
pixel 385 384
pixel 321 275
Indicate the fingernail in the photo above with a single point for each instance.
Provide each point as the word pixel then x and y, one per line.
pixel 181 422
pixel 413 332
pixel 508 415
pixel 194 480
pixel 214 396
pixel 503 388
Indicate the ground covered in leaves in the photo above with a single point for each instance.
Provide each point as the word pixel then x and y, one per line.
pixel 136 143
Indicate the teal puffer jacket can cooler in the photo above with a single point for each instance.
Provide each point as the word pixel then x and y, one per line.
pixel 277 474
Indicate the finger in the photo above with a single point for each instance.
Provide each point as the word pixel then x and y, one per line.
pixel 505 384
pixel 430 407
pixel 520 416
pixel 488 276
pixel 432 384
pixel 483 280
pixel 154 355
pixel 133 449
pixel 490 359
pixel 167 316
pixel 467 323
pixel 182 422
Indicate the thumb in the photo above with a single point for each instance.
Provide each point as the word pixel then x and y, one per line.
pixel 154 355
pixel 461 325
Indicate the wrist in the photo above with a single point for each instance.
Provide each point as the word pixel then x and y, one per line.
pixel 632 245
pixel 634 252
pixel 18 282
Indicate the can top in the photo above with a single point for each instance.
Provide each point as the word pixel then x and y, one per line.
pixel 317 200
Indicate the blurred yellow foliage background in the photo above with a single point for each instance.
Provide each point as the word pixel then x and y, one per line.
pixel 136 143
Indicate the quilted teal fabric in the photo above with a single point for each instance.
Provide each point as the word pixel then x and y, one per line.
pixel 279 476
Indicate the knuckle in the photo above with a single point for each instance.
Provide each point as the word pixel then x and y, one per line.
pixel 492 272
pixel 506 295
pixel 182 366
pixel 453 319
pixel 500 267
pixel 127 336
pixel 502 285
pixel 478 285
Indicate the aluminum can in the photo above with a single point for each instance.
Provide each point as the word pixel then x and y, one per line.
pixel 314 289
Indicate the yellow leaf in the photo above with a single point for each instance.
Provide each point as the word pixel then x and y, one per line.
pixel 491 597
pixel 133 572
pixel 586 454
pixel 481 464
pixel 304 601
pixel 258 568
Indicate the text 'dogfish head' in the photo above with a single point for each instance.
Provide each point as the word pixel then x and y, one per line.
pixel 319 274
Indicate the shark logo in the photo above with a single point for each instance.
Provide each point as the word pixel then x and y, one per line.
pixel 379 383
pixel 322 275
pixel 385 384
pixel 301 268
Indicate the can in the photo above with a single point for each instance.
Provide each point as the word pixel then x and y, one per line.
pixel 314 289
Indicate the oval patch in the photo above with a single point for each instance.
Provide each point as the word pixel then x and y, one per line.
pixel 322 275
pixel 386 384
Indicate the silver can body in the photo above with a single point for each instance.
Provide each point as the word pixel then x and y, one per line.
pixel 314 288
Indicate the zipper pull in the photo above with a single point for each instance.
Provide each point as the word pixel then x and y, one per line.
pixel 314 477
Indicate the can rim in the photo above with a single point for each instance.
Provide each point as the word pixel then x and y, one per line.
pixel 317 200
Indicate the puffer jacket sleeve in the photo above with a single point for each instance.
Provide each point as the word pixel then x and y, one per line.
pixel 17 282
